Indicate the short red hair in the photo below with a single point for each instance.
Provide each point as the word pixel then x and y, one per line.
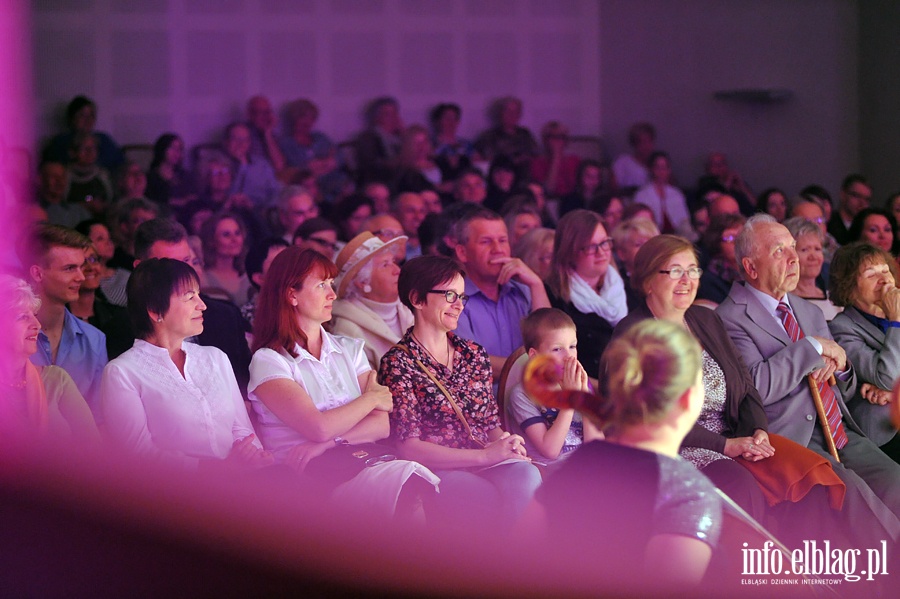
pixel 275 324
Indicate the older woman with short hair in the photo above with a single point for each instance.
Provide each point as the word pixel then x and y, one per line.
pixel 864 279
pixel 170 399
pixel 811 286
pixel 368 305
pixel 40 403
pixel 444 413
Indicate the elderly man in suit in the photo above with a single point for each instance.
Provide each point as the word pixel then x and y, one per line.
pixel 783 339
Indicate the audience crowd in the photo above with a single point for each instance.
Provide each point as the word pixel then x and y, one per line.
pixel 350 317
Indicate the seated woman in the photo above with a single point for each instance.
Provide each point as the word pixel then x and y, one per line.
pixel 350 214
pixel 88 182
pixel 507 137
pixel 722 269
pixel 665 516
pixel 628 237
pixel 416 170
pixel 305 148
pixel 93 307
pixel 535 248
pixel 368 305
pixel 167 181
pixel 729 443
pixel 112 280
pixel 503 182
pixel 610 209
pixel 40 403
pixel 773 202
pixel 224 249
pixel 584 284
pixel 170 399
pixel 314 393
pixel 589 185
pixel 863 279
pixel 555 169
pixel 444 413
pixel 875 226
pixel 452 153
pixel 812 285
pixel 670 212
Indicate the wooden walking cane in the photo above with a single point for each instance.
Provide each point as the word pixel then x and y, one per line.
pixel 820 410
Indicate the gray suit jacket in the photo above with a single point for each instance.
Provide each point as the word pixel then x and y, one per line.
pixel 876 359
pixel 778 366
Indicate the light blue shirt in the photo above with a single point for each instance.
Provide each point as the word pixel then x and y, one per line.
pixel 495 325
pixel 82 354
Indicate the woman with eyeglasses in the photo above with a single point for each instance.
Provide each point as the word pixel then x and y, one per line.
pixel 722 268
pixel 444 413
pixel 730 443
pixel 584 284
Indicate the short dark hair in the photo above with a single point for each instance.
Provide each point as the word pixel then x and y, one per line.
pixel 438 111
pixel 852 179
pixel 158 229
pixel 311 226
pixel 816 192
pixel 150 288
pixel 845 267
pixel 422 274
pixel 76 104
pixel 638 129
pixel 37 243
pixel 257 254
pixel 536 325
pixel 854 233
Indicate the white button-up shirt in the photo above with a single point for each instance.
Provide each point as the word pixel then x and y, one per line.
pixel 152 409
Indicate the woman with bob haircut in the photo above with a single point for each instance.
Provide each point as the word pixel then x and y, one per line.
pixel 38 402
pixel 664 515
pixel 585 284
pixel 444 413
pixel 864 280
pixel 170 399
pixel 315 393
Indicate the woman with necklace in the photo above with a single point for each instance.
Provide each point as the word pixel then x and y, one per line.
pixel 773 478
pixel 37 401
pixel 584 285
pixel 444 413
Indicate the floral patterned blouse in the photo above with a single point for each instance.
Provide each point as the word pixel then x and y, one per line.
pixel 420 408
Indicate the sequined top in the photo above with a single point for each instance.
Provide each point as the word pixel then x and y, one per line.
pixel 610 491
pixel 712 414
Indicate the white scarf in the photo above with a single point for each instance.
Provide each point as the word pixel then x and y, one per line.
pixel 610 304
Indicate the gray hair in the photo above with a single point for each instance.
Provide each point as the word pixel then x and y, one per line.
pixel 745 244
pixel 289 192
pixel 799 226
pixel 16 293
pixel 363 276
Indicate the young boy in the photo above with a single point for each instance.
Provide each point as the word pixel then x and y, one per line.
pixel 549 433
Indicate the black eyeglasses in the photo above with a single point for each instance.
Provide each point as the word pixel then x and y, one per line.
pixel 593 248
pixel 678 272
pixel 451 295
pixel 325 243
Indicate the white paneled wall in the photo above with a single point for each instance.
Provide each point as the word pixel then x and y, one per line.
pixel 190 65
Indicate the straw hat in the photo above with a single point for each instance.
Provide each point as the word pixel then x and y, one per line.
pixel 357 253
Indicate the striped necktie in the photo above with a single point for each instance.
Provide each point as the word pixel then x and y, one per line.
pixel 829 401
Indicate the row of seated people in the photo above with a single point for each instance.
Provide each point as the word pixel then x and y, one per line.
pixel 733 430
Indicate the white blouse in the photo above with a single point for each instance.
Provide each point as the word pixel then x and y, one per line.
pixel 151 409
pixel 330 381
